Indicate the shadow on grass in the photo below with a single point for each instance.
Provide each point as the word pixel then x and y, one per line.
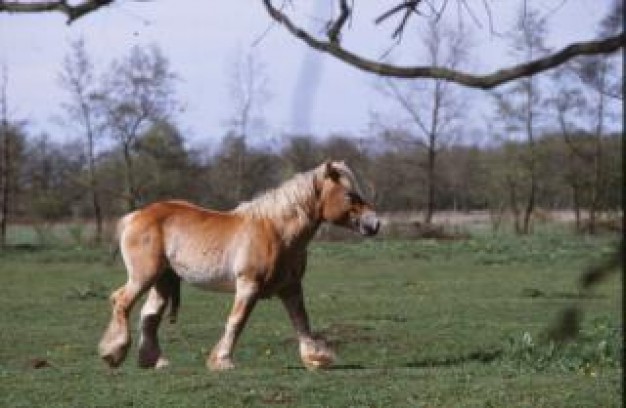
pixel 481 356
pixel 332 368
pixel 537 293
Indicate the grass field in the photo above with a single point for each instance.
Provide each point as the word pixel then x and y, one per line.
pixel 415 324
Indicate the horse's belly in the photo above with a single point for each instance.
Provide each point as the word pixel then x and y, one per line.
pixel 206 277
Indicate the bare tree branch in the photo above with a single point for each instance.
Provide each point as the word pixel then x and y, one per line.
pixel 487 81
pixel 469 11
pixel 73 12
pixel 335 28
pixel 409 108
pixel 409 7
pixel 603 46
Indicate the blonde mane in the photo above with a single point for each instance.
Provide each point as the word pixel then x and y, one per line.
pixel 295 197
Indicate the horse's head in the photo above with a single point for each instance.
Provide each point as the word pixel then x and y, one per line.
pixel 341 201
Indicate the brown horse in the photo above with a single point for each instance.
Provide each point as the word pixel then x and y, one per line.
pixel 257 250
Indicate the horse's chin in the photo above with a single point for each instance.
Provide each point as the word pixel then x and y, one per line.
pixel 368 229
pixel 367 232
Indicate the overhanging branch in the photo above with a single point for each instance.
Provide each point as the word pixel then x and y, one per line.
pixel 335 28
pixel 73 12
pixel 488 81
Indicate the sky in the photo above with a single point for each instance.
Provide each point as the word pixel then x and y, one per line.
pixel 310 92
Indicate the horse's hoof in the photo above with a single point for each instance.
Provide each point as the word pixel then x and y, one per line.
pixel 162 363
pixel 318 361
pixel 220 364
pixel 150 356
pixel 156 363
pixel 316 355
pixel 113 355
pixel 113 360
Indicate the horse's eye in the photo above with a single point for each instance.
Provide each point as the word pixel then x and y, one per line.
pixel 354 198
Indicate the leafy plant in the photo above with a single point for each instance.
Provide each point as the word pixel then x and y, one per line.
pixel 598 346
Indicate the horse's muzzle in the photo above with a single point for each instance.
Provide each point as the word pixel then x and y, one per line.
pixel 369 224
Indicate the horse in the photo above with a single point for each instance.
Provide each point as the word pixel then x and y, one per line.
pixel 256 251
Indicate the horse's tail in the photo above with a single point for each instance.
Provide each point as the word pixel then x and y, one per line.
pixel 174 293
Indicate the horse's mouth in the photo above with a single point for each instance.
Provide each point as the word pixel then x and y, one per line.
pixel 369 231
pixel 368 226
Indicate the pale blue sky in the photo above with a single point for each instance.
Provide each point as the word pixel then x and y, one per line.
pixel 201 39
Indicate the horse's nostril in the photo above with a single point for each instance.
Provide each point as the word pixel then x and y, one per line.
pixel 369 224
pixel 375 227
pixel 372 228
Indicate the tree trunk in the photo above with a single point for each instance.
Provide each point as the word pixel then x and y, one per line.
pixel 532 162
pixel 432 150
pixel 514 207
pixel 530 206
pixel 93 185
pixel 430 186
pixel 241 169
pixel 95 200
pixel 597 159
pixel 6 162
pixel 595 188
pixel 6 177
pixel 576 204
pixel 131 199
pixel 93 182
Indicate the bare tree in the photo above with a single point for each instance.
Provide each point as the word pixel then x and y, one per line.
pixel 336 25
pixel 434 108
pixel 137 92
pixel 6 156
pixel 518 107
pixel 11 155
pixel 583 105
pixel 587 92
pixel 249 92
pixel 566 102
pixel 77 78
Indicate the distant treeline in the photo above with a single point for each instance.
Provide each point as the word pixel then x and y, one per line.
pixel 49 181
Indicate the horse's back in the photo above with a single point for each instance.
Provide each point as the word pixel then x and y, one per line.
pixel 161 212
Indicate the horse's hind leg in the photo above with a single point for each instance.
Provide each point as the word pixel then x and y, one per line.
pixel 144 267
pixel 162 292
pixel 116 339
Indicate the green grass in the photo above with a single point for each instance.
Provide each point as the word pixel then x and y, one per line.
pixel 415 324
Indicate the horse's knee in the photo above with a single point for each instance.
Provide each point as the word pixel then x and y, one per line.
pixel 119 299
pixel 113 298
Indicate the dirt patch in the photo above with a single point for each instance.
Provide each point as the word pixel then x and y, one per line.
pixel 38 363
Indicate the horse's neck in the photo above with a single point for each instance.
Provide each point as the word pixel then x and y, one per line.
pixel 298 229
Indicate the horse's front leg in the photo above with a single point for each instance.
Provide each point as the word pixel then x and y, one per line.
pixel 246 296
pixel 314 352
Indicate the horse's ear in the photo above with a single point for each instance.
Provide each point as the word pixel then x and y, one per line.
pixel 330 171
